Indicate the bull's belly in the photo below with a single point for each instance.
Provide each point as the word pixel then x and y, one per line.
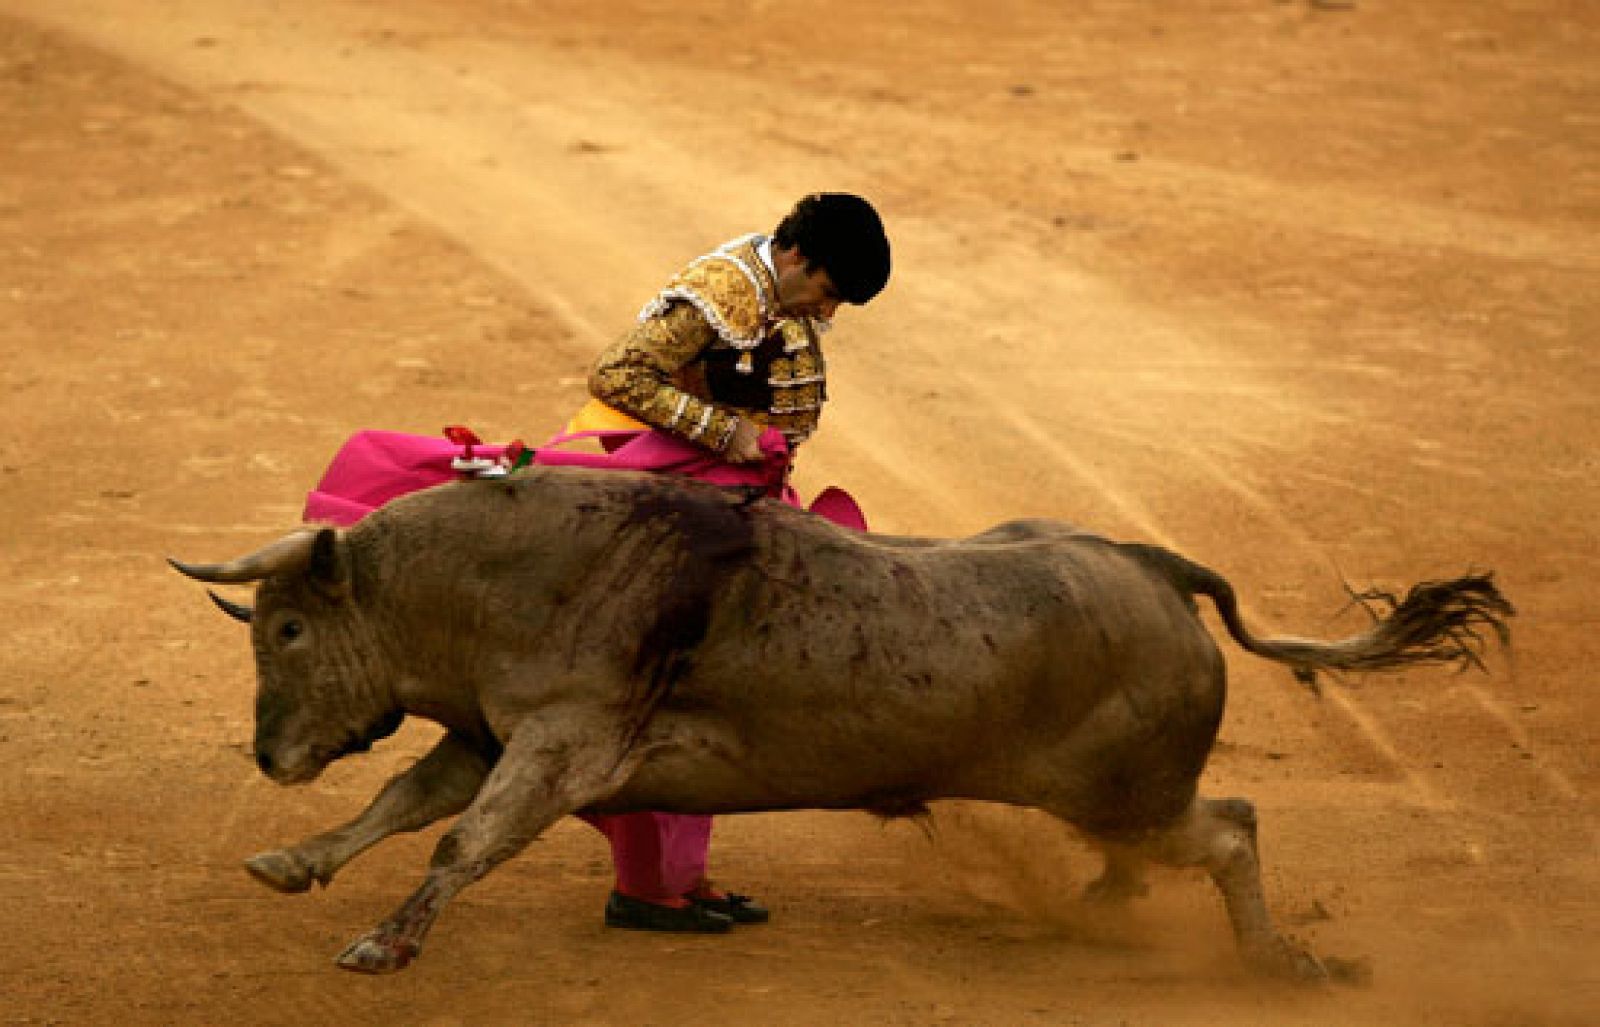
pixel 1111 751
pixel 705 780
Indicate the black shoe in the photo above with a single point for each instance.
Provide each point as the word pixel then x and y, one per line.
pixel 741 909
pixel 639 915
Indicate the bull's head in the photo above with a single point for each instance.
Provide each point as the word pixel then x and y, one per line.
pixel 317 697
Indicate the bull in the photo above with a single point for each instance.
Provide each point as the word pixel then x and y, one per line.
pixel 611 642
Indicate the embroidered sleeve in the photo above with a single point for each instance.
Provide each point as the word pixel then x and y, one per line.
pixel 641 375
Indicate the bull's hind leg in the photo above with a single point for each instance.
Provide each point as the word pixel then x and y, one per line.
pixel 441 784
pixel 1220 835
pixel 545 773
pixel 1121 880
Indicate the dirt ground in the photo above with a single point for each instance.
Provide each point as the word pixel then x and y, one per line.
pixel 1304 290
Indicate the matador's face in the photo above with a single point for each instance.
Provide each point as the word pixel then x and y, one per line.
pixel 803 293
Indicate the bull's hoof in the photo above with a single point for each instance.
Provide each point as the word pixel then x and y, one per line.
pixel 281 871
pixel 1285 960
pixel 377 953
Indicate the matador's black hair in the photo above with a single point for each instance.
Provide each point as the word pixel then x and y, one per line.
pixel 843 235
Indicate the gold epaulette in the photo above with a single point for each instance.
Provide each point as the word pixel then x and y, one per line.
pixel 730 287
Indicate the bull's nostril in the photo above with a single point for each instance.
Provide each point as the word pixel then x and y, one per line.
pixel 265 763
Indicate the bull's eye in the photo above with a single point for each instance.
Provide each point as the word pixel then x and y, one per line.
pixel 290 630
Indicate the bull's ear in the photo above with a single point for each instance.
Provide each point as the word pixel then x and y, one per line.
pixel 329 569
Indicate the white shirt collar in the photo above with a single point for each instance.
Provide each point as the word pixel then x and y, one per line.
pixel 764 251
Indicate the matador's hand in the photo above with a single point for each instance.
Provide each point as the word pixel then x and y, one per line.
pixel 745 445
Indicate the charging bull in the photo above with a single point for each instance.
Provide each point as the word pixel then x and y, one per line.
pixel 603 641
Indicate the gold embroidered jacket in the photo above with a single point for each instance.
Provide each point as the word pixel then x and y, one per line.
pixel 710 348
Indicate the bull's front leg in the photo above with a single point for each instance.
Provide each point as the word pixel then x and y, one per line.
pixel 547 771
pixel 441 784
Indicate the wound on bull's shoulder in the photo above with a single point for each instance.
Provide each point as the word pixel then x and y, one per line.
pixel 711 535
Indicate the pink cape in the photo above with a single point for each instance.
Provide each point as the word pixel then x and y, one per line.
pixel 373 467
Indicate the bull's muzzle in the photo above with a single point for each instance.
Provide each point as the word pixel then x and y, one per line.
pixel 298 762
pixel 294 765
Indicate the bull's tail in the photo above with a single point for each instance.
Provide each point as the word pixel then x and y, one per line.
pixel 1437 622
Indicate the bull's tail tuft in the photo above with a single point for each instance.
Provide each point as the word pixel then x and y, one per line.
pixel 1436 622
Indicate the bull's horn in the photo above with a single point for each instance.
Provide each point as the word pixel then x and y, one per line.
pixel 238 611
pixel 286 555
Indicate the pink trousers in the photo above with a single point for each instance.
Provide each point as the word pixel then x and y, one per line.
pixel 658 857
